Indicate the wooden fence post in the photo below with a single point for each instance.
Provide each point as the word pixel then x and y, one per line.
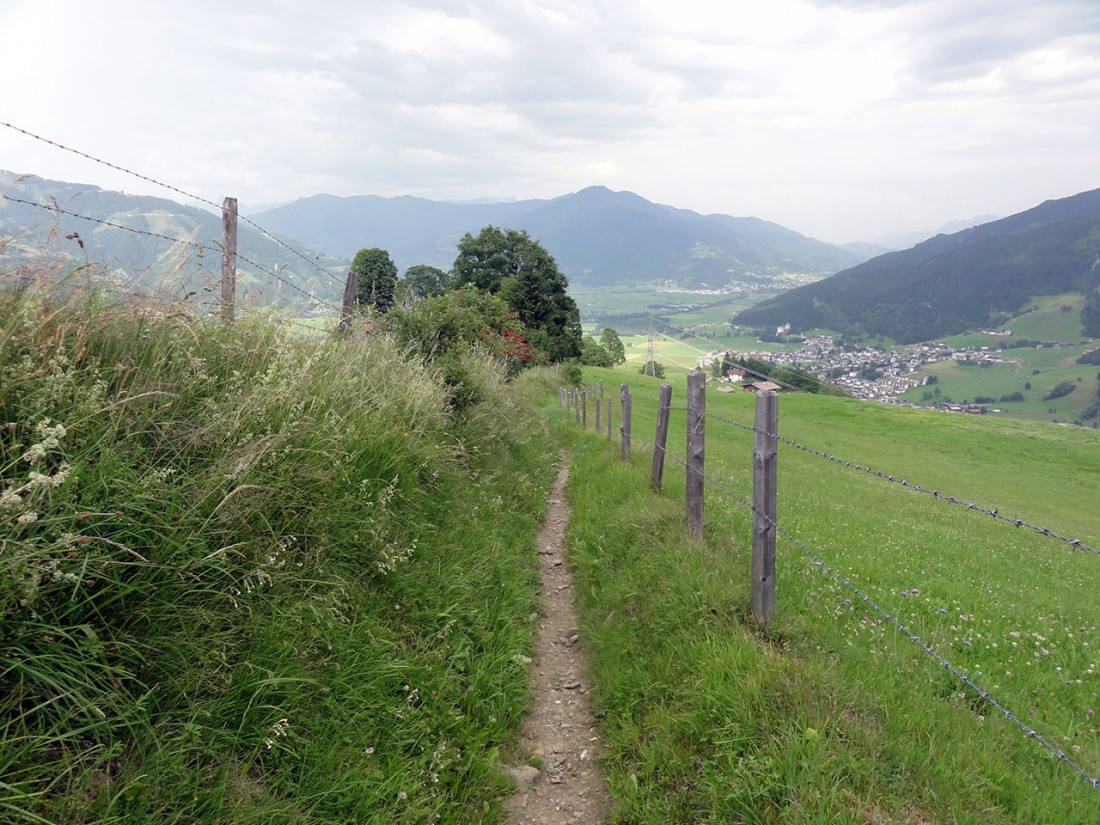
pixel 609 418
pixel 696 421
pixel 561 397
pixel 624 426
pixel 584 409
pixel 598 405
pixel 661 440
pixel 577 405
pixel 347 307
pixel 229 259
pixel 765 461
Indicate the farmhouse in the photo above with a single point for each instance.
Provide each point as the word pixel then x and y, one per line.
pixel 761 386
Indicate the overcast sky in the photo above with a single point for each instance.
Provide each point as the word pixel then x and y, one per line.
pixel 841 119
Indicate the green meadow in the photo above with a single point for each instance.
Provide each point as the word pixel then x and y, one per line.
pixel 830 714
pixel 1053 320
pixel 255 576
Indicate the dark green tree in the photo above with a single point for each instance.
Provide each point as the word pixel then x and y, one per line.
pixel 510 263
pixel 377 278
pixel 594 354
pixel 613 345
pixel 422 281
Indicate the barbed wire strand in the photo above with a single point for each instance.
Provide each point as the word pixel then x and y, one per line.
pixel 993 512
pixel 171 188
pixel 983 694
pixel 194 244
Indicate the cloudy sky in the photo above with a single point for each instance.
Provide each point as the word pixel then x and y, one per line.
pixel 841 119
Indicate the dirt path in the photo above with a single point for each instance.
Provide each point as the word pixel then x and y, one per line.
pixel 559 728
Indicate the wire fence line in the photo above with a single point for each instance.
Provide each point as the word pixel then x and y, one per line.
pixel 202 247
pixel 170 188
pixel 819 561
pixel 993 512
pixel 965 679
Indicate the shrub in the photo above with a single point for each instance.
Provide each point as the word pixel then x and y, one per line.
pixel 654 368
pixel 1060 389
pixel 1010 397
pixel 572 374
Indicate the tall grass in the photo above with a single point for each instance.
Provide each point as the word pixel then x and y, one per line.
pixel 830 715
pixel 250 578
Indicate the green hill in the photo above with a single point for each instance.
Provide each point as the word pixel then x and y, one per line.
pixel 953 283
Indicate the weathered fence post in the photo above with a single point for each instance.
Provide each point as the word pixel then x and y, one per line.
pixel 609 418
pixel 624 426
pixel 561 397
pixel 584 409
pixel 598 405
pixel 347 306
pixel 765 461
pixel 659 443
pixel 696 420
pixel 229 259
pixel 601 390
pixel 577 405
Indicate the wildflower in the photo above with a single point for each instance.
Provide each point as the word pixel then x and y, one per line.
pixel 27 518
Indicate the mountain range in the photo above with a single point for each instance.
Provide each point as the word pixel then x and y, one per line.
pixel 597 236
pixel 952 283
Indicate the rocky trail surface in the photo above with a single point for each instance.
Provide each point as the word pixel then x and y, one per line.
pixel 559 729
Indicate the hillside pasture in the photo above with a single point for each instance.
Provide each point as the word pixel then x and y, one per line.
pixel 1042 368
pixel 831 714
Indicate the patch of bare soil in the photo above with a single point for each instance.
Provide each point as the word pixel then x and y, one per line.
pixel 559 729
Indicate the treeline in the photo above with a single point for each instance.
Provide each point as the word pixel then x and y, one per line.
pixel 506 264
pixel 782 374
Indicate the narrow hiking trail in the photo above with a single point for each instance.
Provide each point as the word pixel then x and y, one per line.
pixel 559 728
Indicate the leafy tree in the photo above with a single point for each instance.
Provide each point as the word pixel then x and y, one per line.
pixel 614 346
pixel 654 368
pixel 1092 357
pixel 1011 396
pixel 1060 389
pixel 594 354
pixel 1090 315
pixel 572 375
pixel 377 278
pixel 422 281
pixel 455 322
pixel 510 263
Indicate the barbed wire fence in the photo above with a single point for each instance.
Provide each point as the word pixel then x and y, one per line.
pixel 763 509
pixel 227 249
pixel 175 189
pixel 197 246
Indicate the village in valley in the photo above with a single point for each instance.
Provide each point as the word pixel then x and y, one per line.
pixel 870 373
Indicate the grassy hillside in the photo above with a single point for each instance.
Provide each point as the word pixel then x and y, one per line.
pixel 952 283
pixel 1035 371
pixel 832 715
pixel 248 578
